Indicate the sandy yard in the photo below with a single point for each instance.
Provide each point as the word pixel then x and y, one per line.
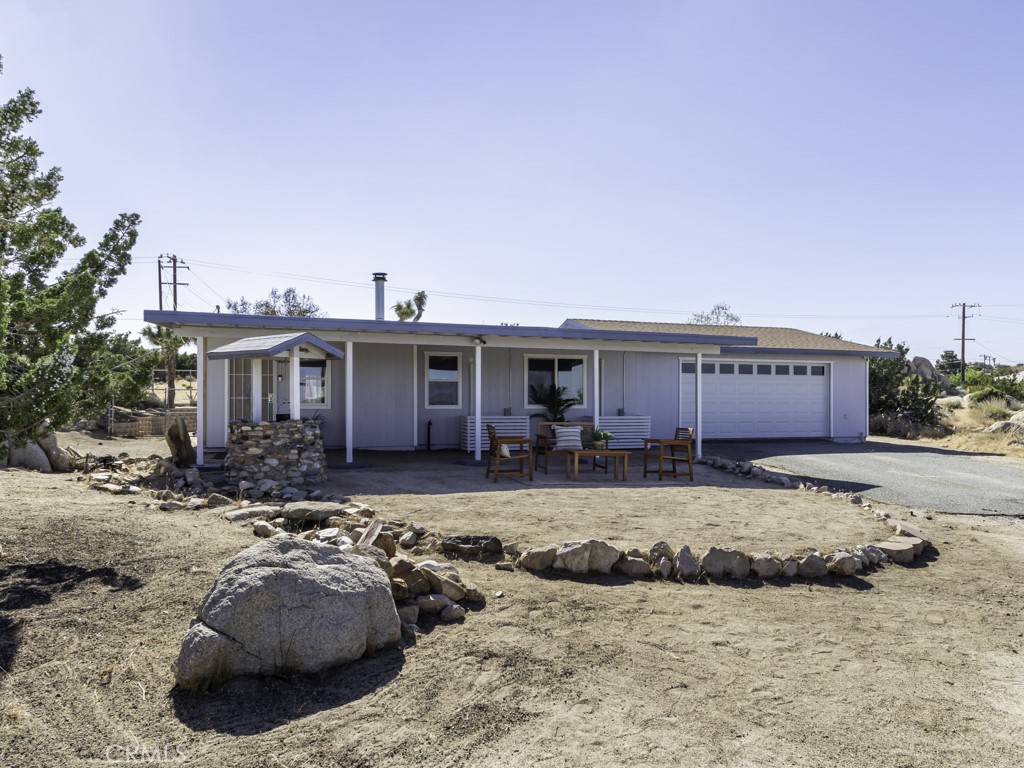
pixel 916 666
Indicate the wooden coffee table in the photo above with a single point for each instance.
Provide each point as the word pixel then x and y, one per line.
pixel 572 462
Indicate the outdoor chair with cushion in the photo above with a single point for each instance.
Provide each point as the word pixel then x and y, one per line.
pixel 509 449
pixel 558 438
pixel 671 451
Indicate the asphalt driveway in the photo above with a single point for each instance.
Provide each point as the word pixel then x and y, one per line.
pixel 896 472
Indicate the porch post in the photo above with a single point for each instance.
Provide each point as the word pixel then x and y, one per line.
pixel 477 386
pixel 415 399
pixel 700 407
pixel 257 390
pixel 294 393
pixel 348 402
pixel 597 389
pixel 200 398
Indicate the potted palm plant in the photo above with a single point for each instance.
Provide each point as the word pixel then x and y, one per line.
pixel 553 399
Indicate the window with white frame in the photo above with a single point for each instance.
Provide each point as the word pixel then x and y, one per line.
pixel 240 390
pixel 443 381
pixel 314 383
pixel 542 373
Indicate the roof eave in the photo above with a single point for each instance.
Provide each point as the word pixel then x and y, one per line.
pixel 734 349
pixel 219 320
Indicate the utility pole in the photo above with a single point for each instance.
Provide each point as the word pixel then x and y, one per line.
pixel 963 336
pixel 174 278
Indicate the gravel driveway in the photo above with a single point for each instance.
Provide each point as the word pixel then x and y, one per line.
pixel 896 472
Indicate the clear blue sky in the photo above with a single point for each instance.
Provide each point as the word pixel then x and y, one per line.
pixel 851 166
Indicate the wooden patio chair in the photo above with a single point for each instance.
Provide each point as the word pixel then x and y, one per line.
pixel 509 449
pixel 679 449
pixel 547 445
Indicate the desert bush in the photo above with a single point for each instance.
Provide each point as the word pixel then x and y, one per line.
pixel 894 394
pixel 985 394
pixel 984 384
pixel 897 426
pixel 992 408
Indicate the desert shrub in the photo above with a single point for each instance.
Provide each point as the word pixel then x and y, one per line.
pixel 900 397
pixel 992 408
pixel 896 426
pixel 985 394
pixel 984 383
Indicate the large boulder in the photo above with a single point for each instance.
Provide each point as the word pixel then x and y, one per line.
pixel 287 605
pixel 57 456
pixel 29 456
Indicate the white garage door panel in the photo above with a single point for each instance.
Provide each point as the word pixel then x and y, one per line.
pixel 758 405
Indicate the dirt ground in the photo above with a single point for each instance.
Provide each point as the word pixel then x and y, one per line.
pixel 917 666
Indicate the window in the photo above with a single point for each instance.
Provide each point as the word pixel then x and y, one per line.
pixel 746 369
pixel 782 370
pixel 688 368
pixel 799 370
pixel 443 381
pixel 314 386
pixel 726 368
pixel 240 373
pixel 545 372
pixel 764 370
pixel 817 370
pixel 707 367
pixel 240 390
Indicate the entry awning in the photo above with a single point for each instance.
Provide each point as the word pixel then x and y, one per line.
pixel 278 345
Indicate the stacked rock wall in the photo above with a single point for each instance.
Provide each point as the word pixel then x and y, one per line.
pixel 287 452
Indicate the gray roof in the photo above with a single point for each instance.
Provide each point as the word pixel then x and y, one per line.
pixel 275 322
pixel 272 346
pixel 769 340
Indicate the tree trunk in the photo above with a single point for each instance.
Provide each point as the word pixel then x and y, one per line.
pixel 171 365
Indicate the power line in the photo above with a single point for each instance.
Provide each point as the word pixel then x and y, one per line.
pixel 534 302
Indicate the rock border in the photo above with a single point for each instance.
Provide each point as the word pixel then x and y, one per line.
pixel 337 520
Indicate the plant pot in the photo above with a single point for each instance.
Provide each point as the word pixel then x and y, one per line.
pixel 600 445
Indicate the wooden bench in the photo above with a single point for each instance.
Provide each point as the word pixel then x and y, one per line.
pixel 546 440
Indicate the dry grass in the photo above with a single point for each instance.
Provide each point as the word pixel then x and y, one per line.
pixel 968 424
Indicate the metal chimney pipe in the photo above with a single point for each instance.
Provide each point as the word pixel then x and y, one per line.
pixel 379 278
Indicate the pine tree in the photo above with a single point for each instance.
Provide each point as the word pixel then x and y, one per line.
pixel 43 317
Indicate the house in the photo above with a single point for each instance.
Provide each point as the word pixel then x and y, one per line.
pixel 390 385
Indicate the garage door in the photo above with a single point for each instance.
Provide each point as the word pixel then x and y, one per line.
pixel 755 399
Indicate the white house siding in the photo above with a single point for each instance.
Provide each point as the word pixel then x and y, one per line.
pixel 644 384
pixel 383 388
pixel 849 399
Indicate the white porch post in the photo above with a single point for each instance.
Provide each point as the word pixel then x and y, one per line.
pixel 200 398
pixel 597 389
pixel 348 402
pixel 415 399
pixel 477 388
pixel 257 391
pixel 700 407
pixel 294 393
